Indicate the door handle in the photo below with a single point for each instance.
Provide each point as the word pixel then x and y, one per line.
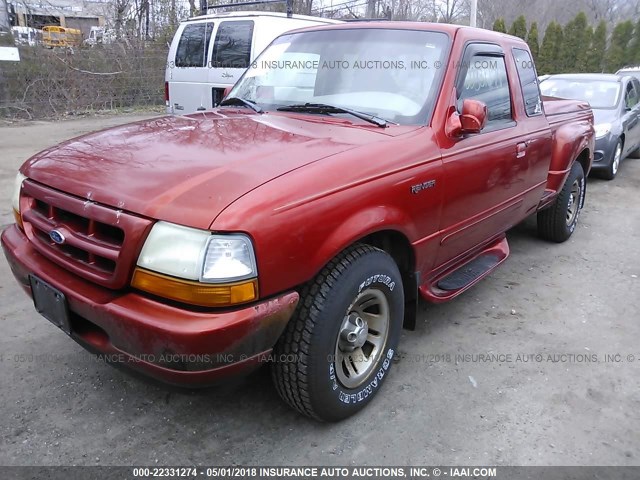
pixel 521 149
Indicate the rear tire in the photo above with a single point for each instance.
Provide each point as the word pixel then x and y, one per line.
pixel 557 222
pixel 337 349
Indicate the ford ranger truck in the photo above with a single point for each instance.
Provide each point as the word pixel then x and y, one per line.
pixel 352 171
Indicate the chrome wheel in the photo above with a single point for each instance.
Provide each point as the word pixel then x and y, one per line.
pixel 362 337
pixel 574 202
pixel 615 164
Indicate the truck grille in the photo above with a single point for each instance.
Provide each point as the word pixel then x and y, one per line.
pixel 96 242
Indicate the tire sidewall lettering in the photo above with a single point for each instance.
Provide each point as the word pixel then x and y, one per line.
pixel 365 391
pixel 379 278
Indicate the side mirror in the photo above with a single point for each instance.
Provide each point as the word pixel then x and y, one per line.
pixel 473 117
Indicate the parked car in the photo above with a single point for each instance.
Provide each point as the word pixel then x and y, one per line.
pixel 615 101
pixel 198 69
pixel 632 71
pixel 300 222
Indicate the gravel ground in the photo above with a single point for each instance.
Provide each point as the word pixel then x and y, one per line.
pixel 443 404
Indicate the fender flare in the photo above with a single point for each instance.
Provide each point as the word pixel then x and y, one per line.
pixel 361 224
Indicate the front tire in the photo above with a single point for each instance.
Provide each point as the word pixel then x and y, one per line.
pixel 337 349
pixel 614 165
pixel 557 222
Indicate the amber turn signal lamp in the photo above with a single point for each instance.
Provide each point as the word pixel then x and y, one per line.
pixel 195 293
pixel 18 219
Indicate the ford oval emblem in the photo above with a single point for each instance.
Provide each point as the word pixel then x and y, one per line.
pixel 57 236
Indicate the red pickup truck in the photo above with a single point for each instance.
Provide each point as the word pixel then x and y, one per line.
pixel 352 171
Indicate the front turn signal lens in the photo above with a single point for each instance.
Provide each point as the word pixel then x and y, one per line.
pixel 195 293
pixel 18 219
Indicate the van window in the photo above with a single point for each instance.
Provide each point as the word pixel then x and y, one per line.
pixel 232 48
pixel 193 45
pixel 528 82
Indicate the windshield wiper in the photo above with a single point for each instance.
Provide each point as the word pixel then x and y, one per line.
pixel 325 108
pixel 242 102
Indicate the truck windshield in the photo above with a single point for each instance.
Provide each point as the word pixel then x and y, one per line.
pixel 601 94
pixel 392 74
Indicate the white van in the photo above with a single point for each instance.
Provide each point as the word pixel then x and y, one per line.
pixel 26 36
pixel 198 69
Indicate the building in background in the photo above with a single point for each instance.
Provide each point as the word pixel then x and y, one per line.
pixel 78 14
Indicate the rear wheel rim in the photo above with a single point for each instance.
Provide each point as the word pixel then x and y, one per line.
pixel 616 159
pixel 362 337
pixel 574 201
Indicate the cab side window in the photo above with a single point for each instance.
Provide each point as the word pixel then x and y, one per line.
pixel 528 82
pixel 194 45
pixel 486 80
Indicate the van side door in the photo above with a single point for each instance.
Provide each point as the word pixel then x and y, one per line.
pixel 187 71
pixel 230 55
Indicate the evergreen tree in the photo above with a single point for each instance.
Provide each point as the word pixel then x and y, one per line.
pixel 499 26
pixel 519 27
pixel 574 44
pixel 546 63
pixel 582 61
pixel 595 58
pixel 619 52
pixel 634 46
pixel 532 41
pixel 557 50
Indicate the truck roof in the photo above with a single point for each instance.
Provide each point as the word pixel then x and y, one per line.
pixel 451 29
pixel 253 13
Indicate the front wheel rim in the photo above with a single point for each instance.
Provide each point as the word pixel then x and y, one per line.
pixel 362 337
pixel 574 201
pixel 616 159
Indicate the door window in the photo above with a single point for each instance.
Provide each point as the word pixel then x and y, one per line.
pixel 232 47
pixel 193 45
pixel 486 80
pixel 631 96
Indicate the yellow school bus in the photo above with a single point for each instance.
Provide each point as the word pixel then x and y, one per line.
pixel 55 36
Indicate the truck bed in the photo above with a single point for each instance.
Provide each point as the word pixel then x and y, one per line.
pixel 559 110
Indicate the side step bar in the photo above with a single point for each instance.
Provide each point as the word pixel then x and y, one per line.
pixel 452 282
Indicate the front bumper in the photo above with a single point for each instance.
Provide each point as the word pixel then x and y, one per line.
pixel 169 343
pixel 604 150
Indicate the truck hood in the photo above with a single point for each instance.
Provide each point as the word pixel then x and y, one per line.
pixel 188 169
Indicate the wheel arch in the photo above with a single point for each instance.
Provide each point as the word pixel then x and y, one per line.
pixel 397 245
pixel 584 159
pixel 571 141
pixel 389 229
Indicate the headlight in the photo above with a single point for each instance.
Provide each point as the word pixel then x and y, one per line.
pixel 602 129
pixel 207 269
pixel 15 198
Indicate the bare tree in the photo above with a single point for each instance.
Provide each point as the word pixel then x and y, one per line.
pixel 450 11
pixel 4 16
